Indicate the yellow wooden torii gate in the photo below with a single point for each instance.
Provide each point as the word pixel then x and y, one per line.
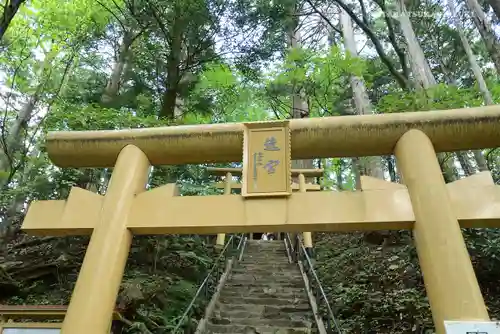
pixel 425 204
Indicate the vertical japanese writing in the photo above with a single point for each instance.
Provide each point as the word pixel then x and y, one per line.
pixel 257 161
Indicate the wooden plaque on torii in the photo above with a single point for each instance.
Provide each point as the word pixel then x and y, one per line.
pixel 266 160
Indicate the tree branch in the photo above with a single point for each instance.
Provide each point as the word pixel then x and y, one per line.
pixel 402 81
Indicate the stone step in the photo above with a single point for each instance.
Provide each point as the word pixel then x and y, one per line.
pixel 265 247
pixel 266 282
pixel 265 270
pixel 267 266
pixel 245 283
pixel 266 256
pixel 259 251
pixel 264 260
pixel 268 243
pixel 277 288
pixel 261 322
pixel 255 270
pixel 265 312
pixel 264 309
pixel 262 301
pixel 264 290
pixel 216 329
pixel 269 276
pixel 264 293
pixel 264 250
pixel 261 263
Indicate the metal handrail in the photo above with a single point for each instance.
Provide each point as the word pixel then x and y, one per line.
pixel 208 284
pixel 299 253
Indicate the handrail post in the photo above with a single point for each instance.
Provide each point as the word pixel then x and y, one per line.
pixel 306 235
pixel 227 191
pixel 296 248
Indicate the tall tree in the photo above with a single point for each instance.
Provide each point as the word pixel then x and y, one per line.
pixel 488 35
pixel 423 78
pixel 371 165
pixel 10 8
pixel 483 88
pixel 300 106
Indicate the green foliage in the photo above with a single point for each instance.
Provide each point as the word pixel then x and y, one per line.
pixel 229 96
pixel 321 76
pixel 439 97
pixel 379 288
pixel 94 117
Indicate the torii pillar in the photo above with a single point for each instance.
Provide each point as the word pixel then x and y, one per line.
pixel 101 273
pixel 449 277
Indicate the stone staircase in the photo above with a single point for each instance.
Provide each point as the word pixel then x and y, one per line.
pixel 263 294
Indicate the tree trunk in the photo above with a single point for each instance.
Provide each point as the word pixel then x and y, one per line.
pixel 356 170
pixel 483 87
pixel 9 11
pixel 463 159
pixel 422 74
pixel 338 174
pixel 495 4
pixel 389 20
pixel 113 85
pixel 377 44
pixel 14 140
pixel 490 40
pixel 300 107
pixel 173 72
pixel 391 167
pixel 371 165
pixel 482 164
pixel 17 204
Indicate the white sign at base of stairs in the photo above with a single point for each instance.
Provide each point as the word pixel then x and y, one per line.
pixel 472 327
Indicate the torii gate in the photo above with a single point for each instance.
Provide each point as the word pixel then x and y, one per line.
pixel 433 210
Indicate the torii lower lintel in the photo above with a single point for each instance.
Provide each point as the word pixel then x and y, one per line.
pixel 381 205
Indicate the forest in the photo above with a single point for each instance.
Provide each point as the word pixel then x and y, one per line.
pixel 119 64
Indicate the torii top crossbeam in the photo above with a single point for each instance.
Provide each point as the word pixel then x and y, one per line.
pixel 341 136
